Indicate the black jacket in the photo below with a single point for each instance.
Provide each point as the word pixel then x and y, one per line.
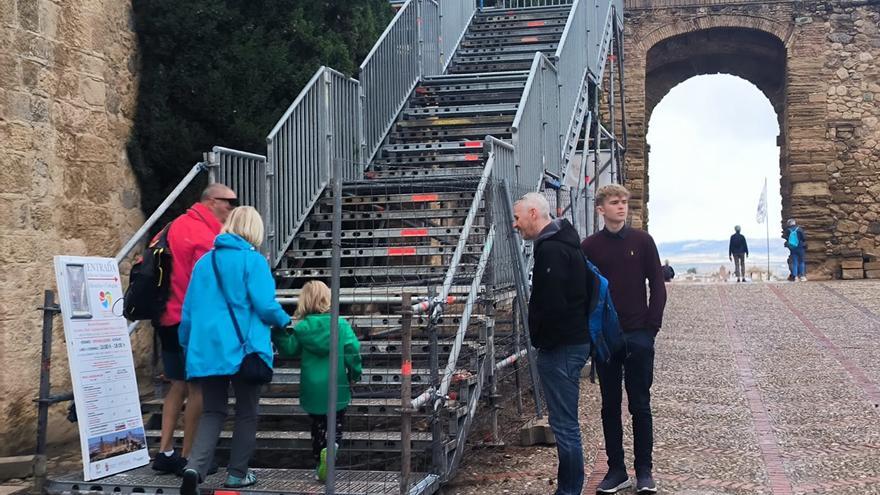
pixel 737 245
pixel 561 286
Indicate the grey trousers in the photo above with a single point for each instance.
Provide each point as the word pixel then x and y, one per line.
pixel 215 393
pixel 739 261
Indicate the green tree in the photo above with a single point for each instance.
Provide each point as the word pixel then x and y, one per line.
pixel 223 71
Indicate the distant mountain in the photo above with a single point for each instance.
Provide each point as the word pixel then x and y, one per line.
pixel 715 251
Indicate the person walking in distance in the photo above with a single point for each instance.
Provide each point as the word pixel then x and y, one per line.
pixel 628 257
pixel 738 251
pixel 796 242
pixel 558 318
pixel 190 236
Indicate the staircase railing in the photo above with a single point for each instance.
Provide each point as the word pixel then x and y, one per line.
pixel 316 129
pixel 414 45
pixel 535 128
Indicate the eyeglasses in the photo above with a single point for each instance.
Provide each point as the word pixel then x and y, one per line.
pixel 232 201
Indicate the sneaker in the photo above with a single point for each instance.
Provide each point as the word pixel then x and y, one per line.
pixel 613 482
pixel 235 482
pixel 167 464
pixel 321 470
pixel 645 484
pixel 803 279
pixel 190 484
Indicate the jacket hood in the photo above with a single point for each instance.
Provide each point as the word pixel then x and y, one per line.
pixel 315 336
pixel 232 241
pixel 560 230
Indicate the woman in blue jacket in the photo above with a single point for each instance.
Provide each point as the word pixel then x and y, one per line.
pixel 212 347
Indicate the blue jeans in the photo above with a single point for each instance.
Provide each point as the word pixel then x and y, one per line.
pixel 798 263
pixel 560 372
pixel 632 367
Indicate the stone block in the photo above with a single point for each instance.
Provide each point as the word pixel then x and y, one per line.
pixel 874 274
pixel 852 274
pixel 810 189
pixel 92 148
pixel 872 265
pixel 16 466
pixel 852 264
pixel 536 432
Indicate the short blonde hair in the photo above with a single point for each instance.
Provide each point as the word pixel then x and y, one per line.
pixel 313 299
pixel 610 191
pixel 245 222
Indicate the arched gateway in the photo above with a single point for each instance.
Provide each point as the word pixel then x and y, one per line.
pixel 818 64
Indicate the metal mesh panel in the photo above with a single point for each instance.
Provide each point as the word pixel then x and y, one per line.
pixel 455 16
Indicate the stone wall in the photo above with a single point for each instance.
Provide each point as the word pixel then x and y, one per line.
pixel 67 97
pixel 829 133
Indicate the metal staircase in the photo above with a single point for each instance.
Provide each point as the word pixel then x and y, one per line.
pixel 428 183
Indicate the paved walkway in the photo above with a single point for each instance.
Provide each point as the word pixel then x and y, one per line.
pixel 759 389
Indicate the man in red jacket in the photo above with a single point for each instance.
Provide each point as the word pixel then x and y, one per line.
pixel 189 237
pixel 628 258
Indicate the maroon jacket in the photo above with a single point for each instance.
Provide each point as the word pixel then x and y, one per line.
pixel 627 259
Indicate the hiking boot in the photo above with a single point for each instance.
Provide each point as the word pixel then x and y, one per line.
pixel 240 482
pixel 645 484
pixel 613 482
pixel 190 484
pixel 168 464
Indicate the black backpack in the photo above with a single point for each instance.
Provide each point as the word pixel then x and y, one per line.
pixel 150 281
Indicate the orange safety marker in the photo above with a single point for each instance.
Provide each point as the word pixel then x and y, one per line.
pixel 535 23
pixel 406 368
pixel 471 157
pixel 473 144
pixel 401 251
pixel 226 492
pixel 529 39
pixel 418 198
pixel 414 232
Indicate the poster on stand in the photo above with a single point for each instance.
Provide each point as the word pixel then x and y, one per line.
pixel 105 389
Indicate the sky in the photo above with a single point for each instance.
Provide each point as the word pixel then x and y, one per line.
pixel 713 142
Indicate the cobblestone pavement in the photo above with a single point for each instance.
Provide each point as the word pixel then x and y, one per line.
pixel 759 389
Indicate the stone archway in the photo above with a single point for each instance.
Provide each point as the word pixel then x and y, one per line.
pixel 817 66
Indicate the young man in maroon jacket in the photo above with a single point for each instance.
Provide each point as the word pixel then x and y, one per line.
pixel 628 257
pixel 189 237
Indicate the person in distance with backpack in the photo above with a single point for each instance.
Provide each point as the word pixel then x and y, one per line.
pixel 796 242
pixel 225 332
pixel 628 257
pixel 190 236
pixel 558 326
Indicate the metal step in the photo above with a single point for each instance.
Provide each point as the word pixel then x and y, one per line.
pixel 523 47
pixel 460 110
pixel 290 406
pixel 373 441
pixel 467 67
pixel 393 173
pixel 470 121
pixel 498 32
pixel 431 213
pixel 376 273
pixel 395 233
pixel 510 40
pixel 385 199
pixel 397 251
pixel 271 482
pixel 499 15
pixel 370 376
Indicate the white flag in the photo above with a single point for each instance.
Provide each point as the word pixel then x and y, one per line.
pixel 762 205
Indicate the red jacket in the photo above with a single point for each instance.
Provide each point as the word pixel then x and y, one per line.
pixel 190 236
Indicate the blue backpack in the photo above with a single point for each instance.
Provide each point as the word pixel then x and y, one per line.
pixel 793 240
pixel 605 333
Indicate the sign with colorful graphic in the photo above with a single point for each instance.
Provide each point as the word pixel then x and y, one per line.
pixel 105 389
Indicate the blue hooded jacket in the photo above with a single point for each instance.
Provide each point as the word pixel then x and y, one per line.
pixel 206 331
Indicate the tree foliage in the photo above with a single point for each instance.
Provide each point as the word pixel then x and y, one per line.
pixel 223 71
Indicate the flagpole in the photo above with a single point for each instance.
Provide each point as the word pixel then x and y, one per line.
pixel 767 225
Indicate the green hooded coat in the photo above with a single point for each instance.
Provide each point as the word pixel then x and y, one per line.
pixel 310 340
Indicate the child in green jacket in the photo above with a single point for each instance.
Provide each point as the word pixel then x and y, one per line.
pixel 310 340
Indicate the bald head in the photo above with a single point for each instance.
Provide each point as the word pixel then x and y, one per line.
pixel 220 199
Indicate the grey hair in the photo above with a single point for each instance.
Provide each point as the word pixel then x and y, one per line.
pixel 791 222
pixel 536 201
pixel 737 228
pixel 214 189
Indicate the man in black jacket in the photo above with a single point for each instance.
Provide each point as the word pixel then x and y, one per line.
pixel 738 251
pixel 558 307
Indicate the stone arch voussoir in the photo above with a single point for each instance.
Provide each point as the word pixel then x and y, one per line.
pixel 776 28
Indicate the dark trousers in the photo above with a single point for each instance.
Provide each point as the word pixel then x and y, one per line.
pixel 560 372
pixel 634 369
pixel 319 432
pixel 215 391
pixel 739 263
